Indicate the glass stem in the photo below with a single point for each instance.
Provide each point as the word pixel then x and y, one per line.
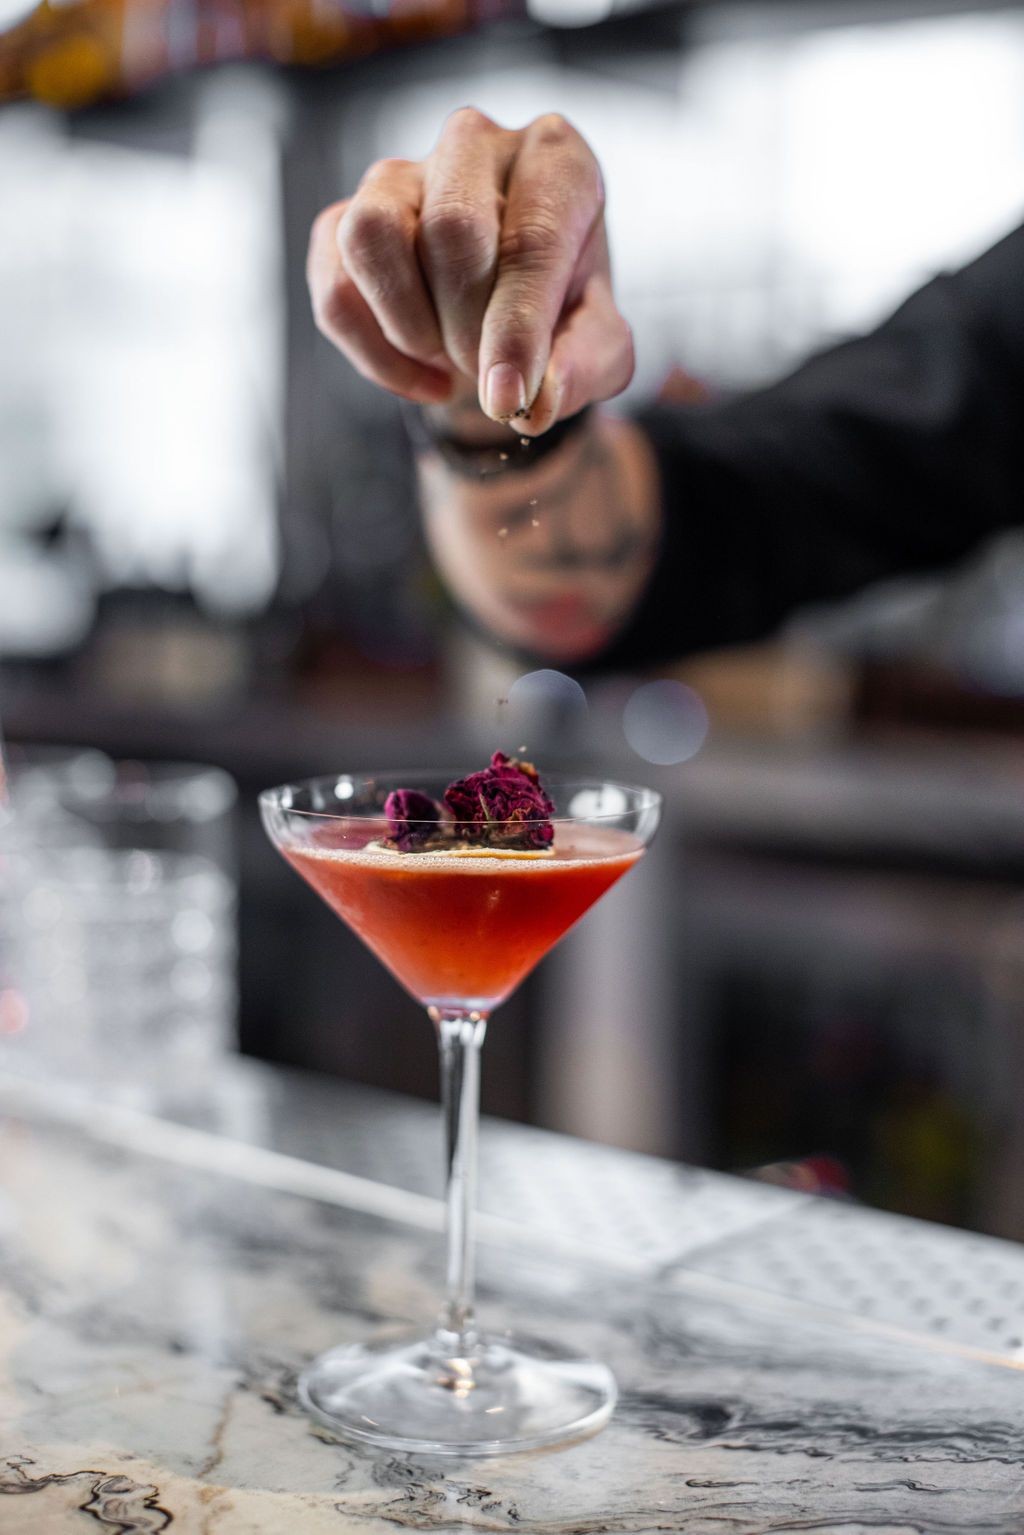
pixel 460 1036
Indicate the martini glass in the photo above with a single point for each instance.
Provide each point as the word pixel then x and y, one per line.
pixel 459 931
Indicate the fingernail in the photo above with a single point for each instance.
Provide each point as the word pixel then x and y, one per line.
pixel 504 392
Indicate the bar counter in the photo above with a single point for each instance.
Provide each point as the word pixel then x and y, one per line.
pixel 786 1364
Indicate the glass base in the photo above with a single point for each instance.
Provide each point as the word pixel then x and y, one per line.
pixel 446 1396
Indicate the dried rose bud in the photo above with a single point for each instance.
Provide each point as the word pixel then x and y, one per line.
pixel 503 805
pixel 413 818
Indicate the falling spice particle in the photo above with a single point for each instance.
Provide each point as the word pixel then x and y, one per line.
pixel 524 442
pixel 503 457
pixel 534 501
pixel 534 522
pixel 503 532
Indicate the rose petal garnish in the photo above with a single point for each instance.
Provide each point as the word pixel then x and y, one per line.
pixel 504 805
pixel 413 818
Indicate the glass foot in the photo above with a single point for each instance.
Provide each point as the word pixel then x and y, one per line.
pixel 444 1396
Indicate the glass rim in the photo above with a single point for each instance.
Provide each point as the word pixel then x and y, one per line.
pixel 648 799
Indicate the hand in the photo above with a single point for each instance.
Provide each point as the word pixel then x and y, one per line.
pixel 488 260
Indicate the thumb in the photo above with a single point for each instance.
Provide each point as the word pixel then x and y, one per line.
pixel 591 360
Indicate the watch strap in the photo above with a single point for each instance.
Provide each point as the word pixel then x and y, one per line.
pixel 482 461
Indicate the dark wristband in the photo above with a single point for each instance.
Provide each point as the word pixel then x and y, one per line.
pixel 477 461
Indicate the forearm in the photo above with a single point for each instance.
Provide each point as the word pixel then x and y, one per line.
pixel 551 560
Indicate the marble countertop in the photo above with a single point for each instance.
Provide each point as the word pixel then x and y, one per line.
pixel 785 1364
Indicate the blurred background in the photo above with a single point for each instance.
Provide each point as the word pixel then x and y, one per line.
pixel 209 554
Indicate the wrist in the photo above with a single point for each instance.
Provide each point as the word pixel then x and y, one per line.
pixel 474 447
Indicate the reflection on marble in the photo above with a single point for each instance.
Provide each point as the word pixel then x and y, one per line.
pixel 152 1321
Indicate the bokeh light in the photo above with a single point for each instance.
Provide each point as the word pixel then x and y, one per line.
pixel 602 800
pixel 543 704
pixel 665 722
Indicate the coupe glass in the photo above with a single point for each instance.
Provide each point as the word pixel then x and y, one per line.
pixel 459 933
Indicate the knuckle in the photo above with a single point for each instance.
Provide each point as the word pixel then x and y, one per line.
pixel 375 169
pixel 519 323
pixel 321 224
pixel 554 130
pixel 555 133
pixel 457 233
pixel 391 165
pixel 533 243
pixel 469 120
pixel 369 230
pixel 389 175
pixel 321 232
pixel 332 307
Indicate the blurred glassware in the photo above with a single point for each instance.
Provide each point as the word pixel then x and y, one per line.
pixel 118 919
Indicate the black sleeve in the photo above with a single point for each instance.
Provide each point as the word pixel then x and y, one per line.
pixel 894 453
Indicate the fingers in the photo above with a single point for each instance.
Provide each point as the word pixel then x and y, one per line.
pixel 376 236
pixel 554 201
pixel 460 226
pixel 345 318
pixel 592 350
pixel 488 258
pixel 591 359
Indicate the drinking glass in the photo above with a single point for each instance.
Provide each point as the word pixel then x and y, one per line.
pixel 459 932
pixel 118 916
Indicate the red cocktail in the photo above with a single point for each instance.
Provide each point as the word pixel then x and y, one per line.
pixel 460 891
pixel 463 929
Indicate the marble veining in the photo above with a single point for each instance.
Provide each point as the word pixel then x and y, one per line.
pixel 153 1321
pixel 114 1501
